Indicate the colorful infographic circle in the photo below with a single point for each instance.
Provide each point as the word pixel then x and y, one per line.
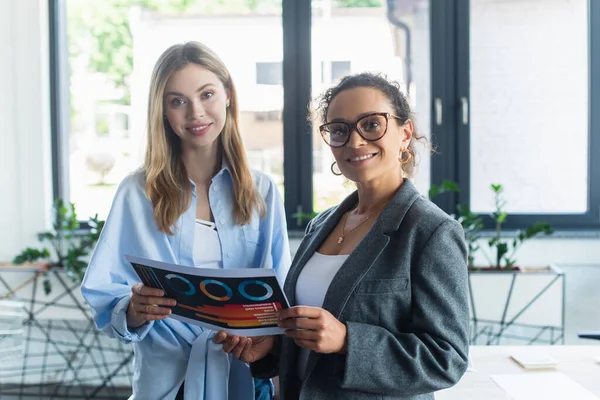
pixel 212 296
pixel 242 289
pixel 191 290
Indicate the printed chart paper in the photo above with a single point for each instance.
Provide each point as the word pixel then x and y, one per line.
pixel 542 385
pixel 239 301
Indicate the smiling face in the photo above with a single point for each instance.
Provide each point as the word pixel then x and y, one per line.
pixel 195 104
pixel 360 160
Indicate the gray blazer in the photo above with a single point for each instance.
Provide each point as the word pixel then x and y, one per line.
pixel 402 294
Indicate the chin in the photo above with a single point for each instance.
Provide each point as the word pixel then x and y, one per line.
pixel 201 141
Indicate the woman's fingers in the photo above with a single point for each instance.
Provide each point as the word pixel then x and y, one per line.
pixel 303 334
pixel 220 337
pixel 230 343
pixel 157 301
pixel 152 317
pixel 244 343
pixel 151 309
pixel 246 353
pixel 302 323
pixel 142 290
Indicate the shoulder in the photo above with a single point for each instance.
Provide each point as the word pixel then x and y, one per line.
pixel 316 223
pixel 425 218
pixel 428 212
pixel 129 206
pixel 132 184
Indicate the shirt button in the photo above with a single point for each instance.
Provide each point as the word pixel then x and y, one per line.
pixel 229 255
pixel 215 188
pixel 222 221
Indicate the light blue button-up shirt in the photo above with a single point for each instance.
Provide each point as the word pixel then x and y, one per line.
pixel 169 351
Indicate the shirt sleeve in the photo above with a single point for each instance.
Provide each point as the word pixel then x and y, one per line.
pixel 108 292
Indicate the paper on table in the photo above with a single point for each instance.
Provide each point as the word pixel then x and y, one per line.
pixel 531 358
pixel 542 385
pixel 240 301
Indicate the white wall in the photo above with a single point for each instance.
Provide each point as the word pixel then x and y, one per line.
pixel 25 176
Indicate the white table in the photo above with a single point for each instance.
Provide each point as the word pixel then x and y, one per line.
pixel 577 362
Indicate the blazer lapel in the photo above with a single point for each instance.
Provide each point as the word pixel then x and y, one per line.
pixel 311 243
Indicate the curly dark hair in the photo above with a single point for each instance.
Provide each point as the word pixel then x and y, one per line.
pixel 391 90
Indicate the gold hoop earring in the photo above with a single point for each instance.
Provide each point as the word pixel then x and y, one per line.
pixel 401 157
pixel 333 171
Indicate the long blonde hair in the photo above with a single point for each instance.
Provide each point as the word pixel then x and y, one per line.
pixel 167 183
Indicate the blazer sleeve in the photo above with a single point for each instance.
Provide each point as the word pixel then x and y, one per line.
pixel 267 367
pixel 432 352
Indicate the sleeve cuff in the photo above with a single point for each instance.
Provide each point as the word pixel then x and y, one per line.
pixel 119 323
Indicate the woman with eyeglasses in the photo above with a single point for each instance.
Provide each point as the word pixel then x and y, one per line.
pixel 379 283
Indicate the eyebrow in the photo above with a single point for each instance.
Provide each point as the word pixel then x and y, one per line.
pixel 356 119
pixel 201 88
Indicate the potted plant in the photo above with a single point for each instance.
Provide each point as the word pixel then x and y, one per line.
pixel 68 246
pixel 504 249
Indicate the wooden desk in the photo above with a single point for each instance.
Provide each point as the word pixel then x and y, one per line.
pixel 577 362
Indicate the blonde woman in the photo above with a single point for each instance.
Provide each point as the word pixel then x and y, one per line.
pixel 195 202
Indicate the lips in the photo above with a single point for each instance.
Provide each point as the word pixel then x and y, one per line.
pixel 198 129
pixel 360 158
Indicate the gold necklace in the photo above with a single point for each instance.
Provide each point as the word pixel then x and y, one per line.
pixel 341 237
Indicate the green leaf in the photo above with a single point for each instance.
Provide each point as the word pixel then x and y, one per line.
pixel 501 249
pixel 497 188
pixel 47 285
pixel 444 187
pixel 509 263
pixel 31 255
pixel 46 236
pixel 501 217
pixel 537 228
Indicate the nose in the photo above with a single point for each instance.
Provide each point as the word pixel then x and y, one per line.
pixel 195 109
pixel 355 140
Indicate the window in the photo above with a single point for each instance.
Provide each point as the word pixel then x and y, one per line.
pixel 334 71
pixel 269 73
pixel 518 112
pixel 339 69
pixel 529 105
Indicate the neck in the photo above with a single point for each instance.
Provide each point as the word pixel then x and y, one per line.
pixel 375 194
pixel 202 163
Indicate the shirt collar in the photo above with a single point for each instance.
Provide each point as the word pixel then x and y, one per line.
pixel 225 167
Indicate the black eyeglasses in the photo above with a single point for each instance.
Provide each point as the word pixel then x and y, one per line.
pixel 370 127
